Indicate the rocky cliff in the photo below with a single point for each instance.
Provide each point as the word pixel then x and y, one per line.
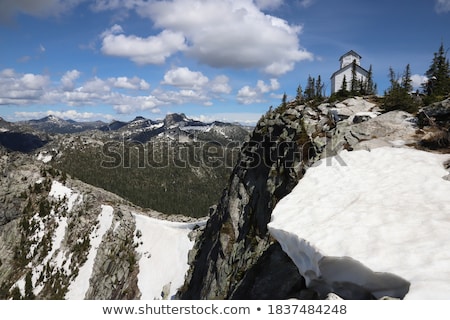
pixel 235 256
pixel 61 238
pixel 64 239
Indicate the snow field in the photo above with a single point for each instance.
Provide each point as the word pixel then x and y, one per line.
pixel 387 208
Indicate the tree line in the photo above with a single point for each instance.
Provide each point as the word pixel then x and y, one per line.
pixel 435 88
pixel 400 93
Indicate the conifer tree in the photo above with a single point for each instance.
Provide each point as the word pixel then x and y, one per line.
pixel 344 84
pixel 343 91
pixel 406 79
pixel 438 84
pixel 310 88
pixel 354 80
pixel 284 101
pixel 319 88
pixel 370 87
pixel 299 96
pixel 397 96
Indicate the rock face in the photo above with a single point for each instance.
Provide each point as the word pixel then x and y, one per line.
pixel 235 256
pixel 438 113
pixel 235 249
pixel 436 118
pixel 76 241
pixel 69 239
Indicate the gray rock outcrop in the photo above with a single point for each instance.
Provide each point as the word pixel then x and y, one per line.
pixel 234 255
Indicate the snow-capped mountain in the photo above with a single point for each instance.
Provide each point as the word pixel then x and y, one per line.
pixel 175 127
pixel 52 124
pixel 139 129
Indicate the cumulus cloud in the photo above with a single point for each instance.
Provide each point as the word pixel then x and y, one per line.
pixel 221 34
pixel 418 80
pixel 185 78
pixel 306 3
pixel 33 89
pixel 18 89
pixel 220 85
pixel 134 83
pixel 102 5
pixel 249 95
pixel 150 50
pixel 268 4
pixel 263 87
pixel 124 104
pixel 41 8
pixel 68 79
pixel 124 94
pixel 442 6
pixel 193 86
pixel 182 96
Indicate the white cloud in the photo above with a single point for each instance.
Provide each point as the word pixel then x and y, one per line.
pixel 31 89
pixel 150 50
pixel 134 83
pixel 183 96
pixel 249 95
pixel 41 8
pixel 68 79
pixel 18 89
pixel 220 85
pixel 33 81
pixel 306 3
pixel 263 88
pixel 268 4
pixel 102 5
pixel 235 34
pixel 442 6
pixel 124 104
pixel 418 80
pixel 123 94
pixel 95 85
pixel 185 78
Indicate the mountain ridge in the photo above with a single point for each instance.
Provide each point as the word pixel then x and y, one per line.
pixel 54 227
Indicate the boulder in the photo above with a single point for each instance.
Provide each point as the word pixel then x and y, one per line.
pixel 436 114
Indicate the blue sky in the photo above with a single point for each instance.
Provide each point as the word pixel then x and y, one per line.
pixel 211 59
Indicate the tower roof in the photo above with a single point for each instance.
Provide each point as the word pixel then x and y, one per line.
pixel 350 53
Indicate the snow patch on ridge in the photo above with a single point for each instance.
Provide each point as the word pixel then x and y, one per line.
pixel 60 191
pixel 45 158
pixel 386 211
pixel 79 287
pixel 163 247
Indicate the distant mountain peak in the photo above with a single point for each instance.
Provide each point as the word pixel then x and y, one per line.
pixel 174 118
pixel 139 118
pixel 50 118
